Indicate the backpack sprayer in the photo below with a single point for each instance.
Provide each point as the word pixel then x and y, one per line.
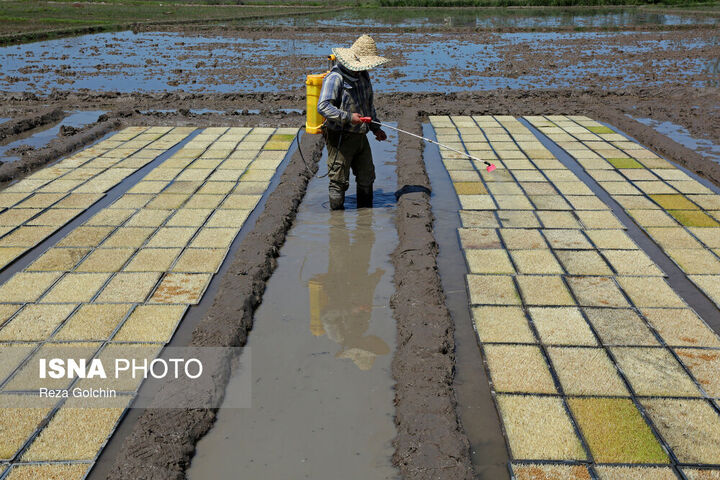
pixel 315 121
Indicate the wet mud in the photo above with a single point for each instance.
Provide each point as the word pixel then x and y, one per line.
pixel 28 122
pixel 430 442
pixel 33 159
pixel 162 441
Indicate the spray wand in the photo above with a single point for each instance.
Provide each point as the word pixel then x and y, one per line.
pixel 490 167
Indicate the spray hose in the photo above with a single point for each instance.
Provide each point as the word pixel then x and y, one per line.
pixel 490 167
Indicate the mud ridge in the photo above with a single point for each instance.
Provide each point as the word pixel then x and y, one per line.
pixel 20 125
pixel 430 443
pixel 33 160
pixel 163 440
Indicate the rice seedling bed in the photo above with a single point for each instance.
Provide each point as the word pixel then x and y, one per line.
pixel 518 368
pixel 64 471
pixel 181 288
pixel 27 287
pixel 544 290
pixel 76 288
pixel 561 326
pixel 535 471
pixel 538 428
pixel 28 377
pixel 690 427
pixel 127 287
pixel 35 322
pixel 567 239
pixel 503 324
pixel 632 262
pixel 620 326
pixel 583 262
pixel 701 473
pixel 58 260
pixel 94 321
pixel 586 371
pixel 654 372
pixel 611 472
pixel 681 327
pixel 522 239
pixel 73 434
pixel 151 323
pixel 597 292
pixel 616 432
pixel 650 292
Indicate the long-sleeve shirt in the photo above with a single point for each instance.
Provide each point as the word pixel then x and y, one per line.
pixel 344 93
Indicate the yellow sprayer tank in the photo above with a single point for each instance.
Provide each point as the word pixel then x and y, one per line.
pixel 314 119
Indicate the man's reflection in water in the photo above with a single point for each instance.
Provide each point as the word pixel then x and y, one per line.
pixel 341 300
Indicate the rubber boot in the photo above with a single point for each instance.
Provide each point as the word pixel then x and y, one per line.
pixel 364 197
pixel 337 200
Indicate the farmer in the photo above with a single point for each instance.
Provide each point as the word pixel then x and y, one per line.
pixel 345 97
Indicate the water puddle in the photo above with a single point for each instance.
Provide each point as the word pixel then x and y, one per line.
pixel 4 119
pixel 680 134
pixel 487 18
pixel 39 137
pixel 322 342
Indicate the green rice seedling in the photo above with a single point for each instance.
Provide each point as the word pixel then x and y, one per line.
pixel 674 202
pixel 693 218
pixel 616 432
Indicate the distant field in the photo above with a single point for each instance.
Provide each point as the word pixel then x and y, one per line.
pixel 26 20
pixel 34 16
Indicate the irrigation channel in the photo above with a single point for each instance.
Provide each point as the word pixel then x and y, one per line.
pixel 321 347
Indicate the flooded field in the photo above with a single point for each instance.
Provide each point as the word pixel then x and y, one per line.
pixel 492 18
pixel 433 62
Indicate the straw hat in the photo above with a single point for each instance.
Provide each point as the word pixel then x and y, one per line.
pixel 363 55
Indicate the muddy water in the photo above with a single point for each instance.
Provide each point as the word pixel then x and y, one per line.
pixel 321 346
pixel 41 136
